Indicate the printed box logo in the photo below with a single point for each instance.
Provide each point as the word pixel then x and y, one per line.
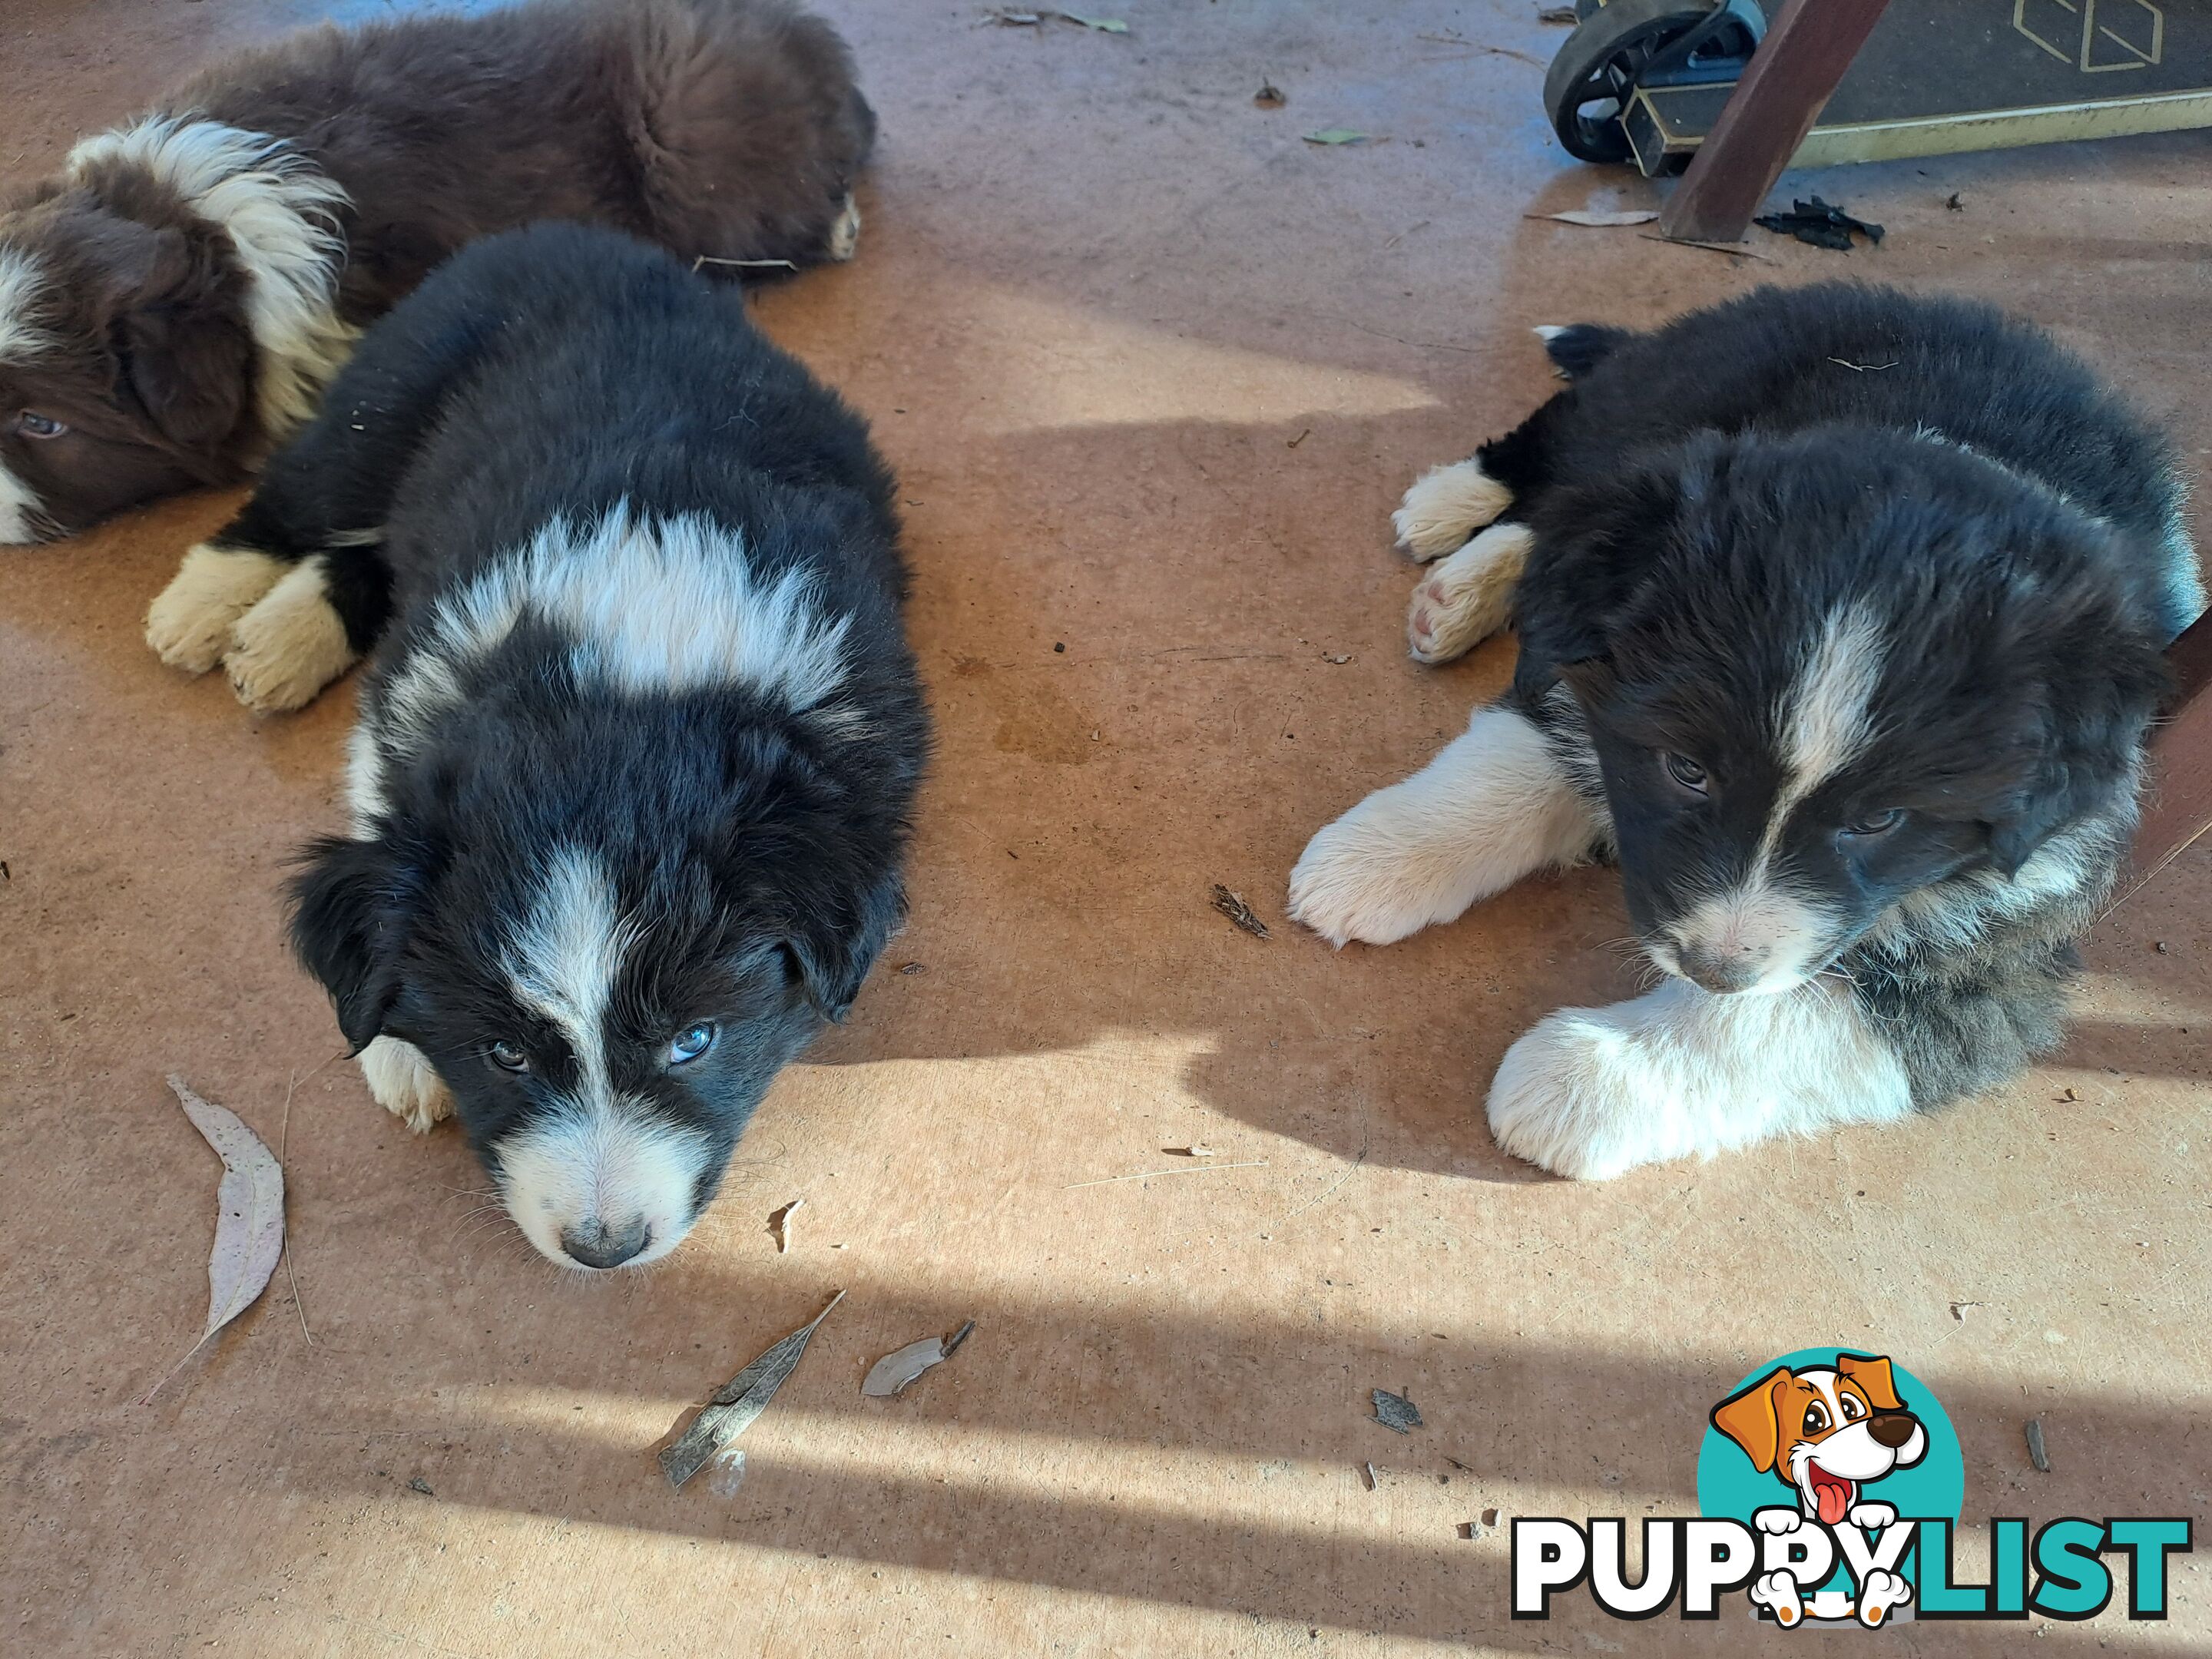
pixel 1830 1483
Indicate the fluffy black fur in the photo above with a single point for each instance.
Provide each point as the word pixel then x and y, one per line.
pixel 1709 497
pixel 539 386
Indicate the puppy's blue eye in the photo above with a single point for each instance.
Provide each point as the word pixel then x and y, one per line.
pixel 32 424
pixel 509 1058
pixel 1688 773
pixel 691 1044
pixel 1879 824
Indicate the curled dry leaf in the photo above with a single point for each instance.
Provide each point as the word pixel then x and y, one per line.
pixel 249 1226
pixel 891 1375
pixel 779 1224
pixel 1335 135
pixel 1599 220
pixel 736 1403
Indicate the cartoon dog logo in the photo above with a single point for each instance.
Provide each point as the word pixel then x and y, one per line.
pixel 1827 1434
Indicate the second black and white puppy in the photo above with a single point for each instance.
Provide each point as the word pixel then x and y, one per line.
pixel 1841 615
pixel 633 774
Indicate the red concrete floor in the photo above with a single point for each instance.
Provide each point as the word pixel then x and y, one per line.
pixel 1154 371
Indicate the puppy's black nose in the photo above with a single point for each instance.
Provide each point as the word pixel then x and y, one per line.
pixel 1718 970
pixel 596 1245
pixel 1892 1429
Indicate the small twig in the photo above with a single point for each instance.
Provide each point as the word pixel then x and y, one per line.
pixel 284 1139
pixel 958 1337
pixel 1147 1174
pixel 709 259
pixel 1477 45
pixel 1232 906
pixel 1861 368
pixel 1728 248
pixel 1369 1469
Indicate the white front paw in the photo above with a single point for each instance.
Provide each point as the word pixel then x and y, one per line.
pixel 1779 1521
pixel 290 646
pixel 1871 1516
pixel 1445 505
pixel 405 1083
pixel 1574 1095
pixel 1358 880
pixel 1778 1591
pixel 1883 1593
pixel 1468 597
pixel 189 624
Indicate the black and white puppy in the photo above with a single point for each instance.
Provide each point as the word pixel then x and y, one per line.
pixel 634 764
pixel 1841 617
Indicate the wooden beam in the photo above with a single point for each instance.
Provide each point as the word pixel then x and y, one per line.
pixel 1791 78
pixel 2177 797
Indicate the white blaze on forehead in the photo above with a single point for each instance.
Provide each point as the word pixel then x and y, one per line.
pixel 22 338
pixel 562 961
pixel 1827 719
pixel 651 605
pixel 21 286
pixel 594 1156
pixel 1824 721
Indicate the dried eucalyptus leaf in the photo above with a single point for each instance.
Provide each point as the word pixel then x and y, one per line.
pixel 1601 219
pixel 734 1406
pixel 249 1225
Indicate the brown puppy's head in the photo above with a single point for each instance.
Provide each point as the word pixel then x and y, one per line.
pixel 126 359
pixel 1825 1432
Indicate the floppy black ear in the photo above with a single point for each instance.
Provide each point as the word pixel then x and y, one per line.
pixel 353 905
pixel 1596 544
pixel 836 944
pixel 2091 736
pixel 180 339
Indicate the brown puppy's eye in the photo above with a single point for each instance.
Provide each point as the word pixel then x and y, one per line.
pixel 1816 1417
pixel 509 1058
pixel 32 424
pixel 1688 773
pixel 1853 1410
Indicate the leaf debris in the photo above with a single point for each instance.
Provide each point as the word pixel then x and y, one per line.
pixel 1147 1174
pixel 1270 96
pixel 1822 224
pixel 249 1227
pixel 1232 906
pixel 1395 1411
pixel 891 1375
pixel 2036 1453
pixel 779 1223
pixel 1335 135
pixel 734 1406
pixel 1600 218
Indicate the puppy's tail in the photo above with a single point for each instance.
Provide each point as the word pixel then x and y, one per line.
pixel 1580 347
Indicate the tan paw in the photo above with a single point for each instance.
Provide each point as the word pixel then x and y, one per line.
pixel 404 1084
pixel 289 647
pixel 845 234
pixel 188 625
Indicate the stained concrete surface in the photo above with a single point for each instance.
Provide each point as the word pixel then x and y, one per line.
pixel 1154 371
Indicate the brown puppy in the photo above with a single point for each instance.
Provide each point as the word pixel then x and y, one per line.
pixel 173 302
